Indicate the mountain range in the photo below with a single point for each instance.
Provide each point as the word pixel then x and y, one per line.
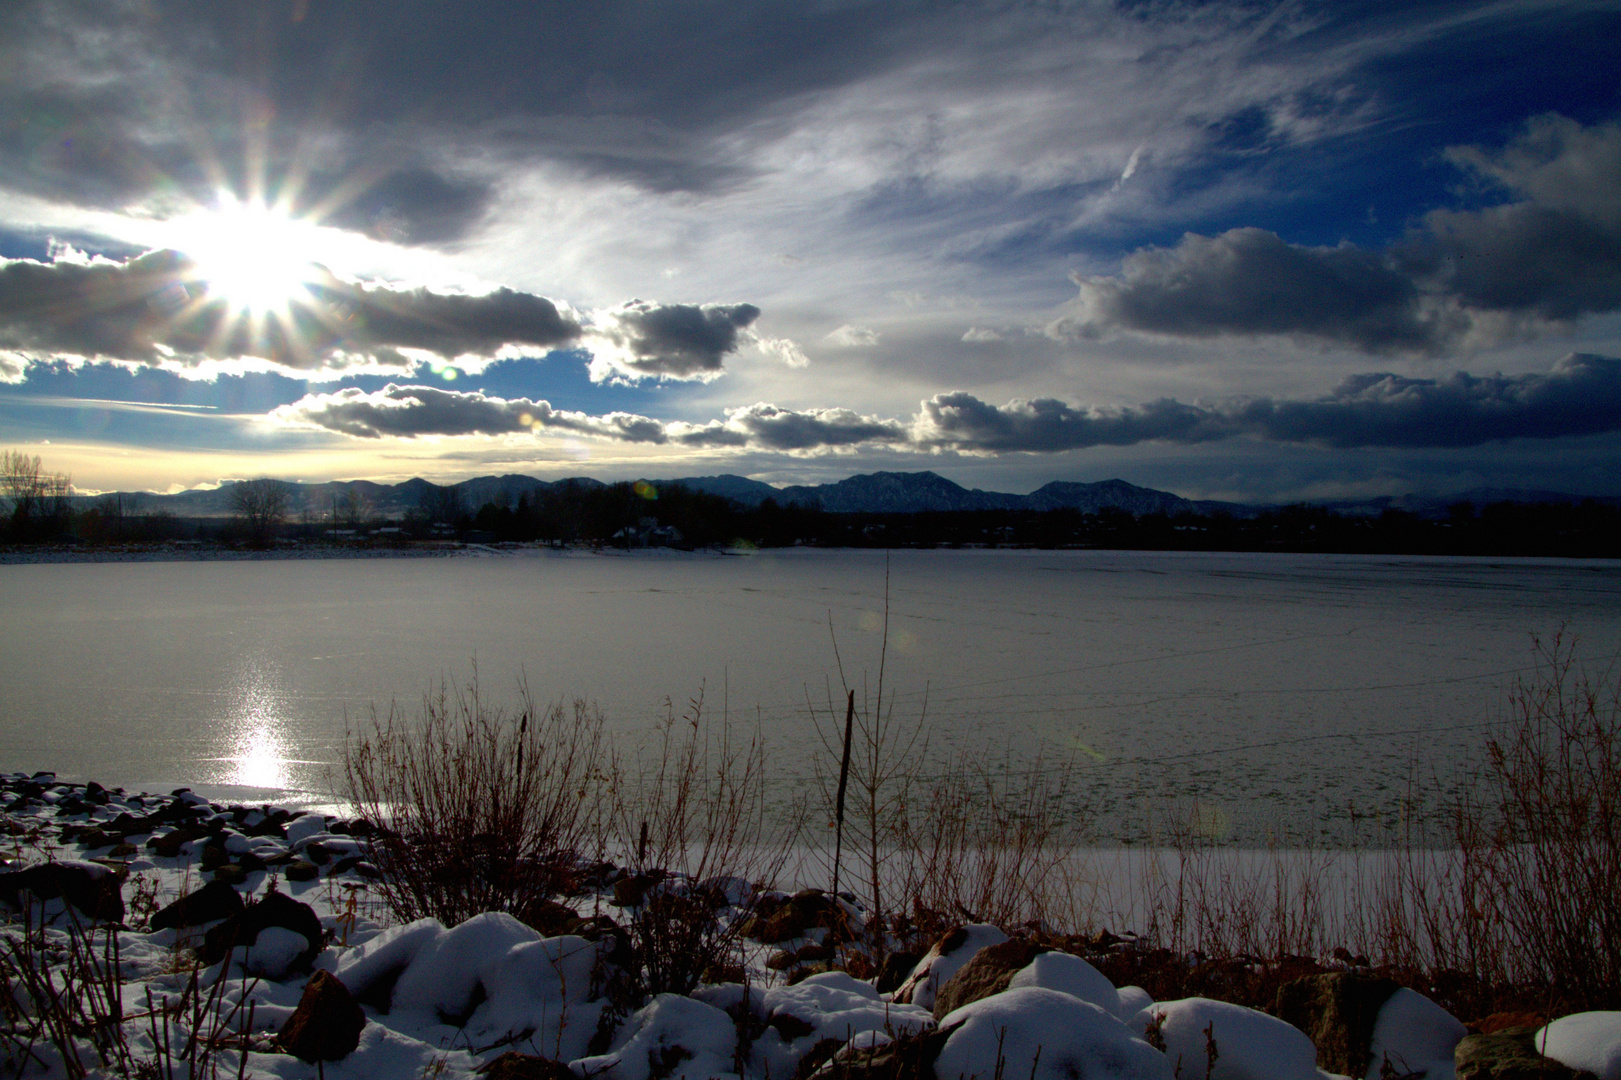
pixel 869 493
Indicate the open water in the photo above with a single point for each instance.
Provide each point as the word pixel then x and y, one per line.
pixel 1254 696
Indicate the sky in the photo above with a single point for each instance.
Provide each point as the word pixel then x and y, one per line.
pixel 1261 252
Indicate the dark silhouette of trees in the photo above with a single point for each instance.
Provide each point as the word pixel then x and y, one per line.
pixel 261 506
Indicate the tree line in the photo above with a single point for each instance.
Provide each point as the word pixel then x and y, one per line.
pixel 38 508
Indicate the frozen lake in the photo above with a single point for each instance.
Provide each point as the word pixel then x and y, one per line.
pixel 1281 691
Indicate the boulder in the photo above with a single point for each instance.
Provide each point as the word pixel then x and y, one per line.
pixel 301 870
pixel 91 889
pixel 1338 1011
pixel 326 1025
pixel 776 922
pixel 275 909
pixel 214 901
pixel 1507 1054
pixel 989 972
pixel 943 960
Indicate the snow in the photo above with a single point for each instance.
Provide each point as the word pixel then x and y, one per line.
pixel 1249 1045
pixel 541 987
pixel 670 1026
pixel 448 969
pixel 1589 1040
pixel 1041 1034
pixel 1415 1035
pixel 1070 975
pixel 384 956
pixel 834 1006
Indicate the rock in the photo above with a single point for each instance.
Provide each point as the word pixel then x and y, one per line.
pixel 548 916
pixel 301 870
pixel 275 909
pixel 630 891
pixel 515 1066
pixel 773 923
pixel 989 972
pixel 1507 1054
pixel 231 874
pixel 168 845
pixel 213 857
pixel 905 1058
pixel 1338 1011
pixel 326 1025
pixel 893 971
pixel 90 889
pixel 943 960
pixel 214 901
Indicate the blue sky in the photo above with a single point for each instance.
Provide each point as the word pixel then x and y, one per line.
pixel 1259 252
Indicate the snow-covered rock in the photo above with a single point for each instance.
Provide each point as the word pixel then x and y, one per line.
pixel 444 974
pixel 1589 1040
pixel 831 1005
pixel 1248 1044
pixel 543 987
pixel 1042 1034
pixel 1415 1035
pixel 1070 975
pixel 944 960
pixel 675 1037
pixel 381 960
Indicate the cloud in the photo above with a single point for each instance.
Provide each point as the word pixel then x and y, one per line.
pixel 1580 395
pixel 961 421
pixel 1464 277
pixel 155 309
pixel 642 340
pixel 767 427
pixel 409 412
pixel 1249 281
pixel 853 337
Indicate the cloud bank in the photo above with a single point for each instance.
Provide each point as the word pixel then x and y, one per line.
pixel 1460 279
pixel 1580 395
pixel 156 309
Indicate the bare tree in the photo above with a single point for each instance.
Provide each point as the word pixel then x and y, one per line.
pixel 30 494
pixel 262 506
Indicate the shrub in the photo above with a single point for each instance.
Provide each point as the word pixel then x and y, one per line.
pixel 478 809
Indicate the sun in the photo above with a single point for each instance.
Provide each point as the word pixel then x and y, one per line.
pixel 255 258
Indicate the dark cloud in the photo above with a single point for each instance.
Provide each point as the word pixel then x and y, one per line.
pixel 1581 395
pixel 415 411
pixel 1249 281
pixel 962 421
pixel 667 341
pixel 1465 276
pixel 767 427
pixel 154 309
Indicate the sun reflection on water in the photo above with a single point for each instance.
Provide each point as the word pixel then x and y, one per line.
pixel 259 753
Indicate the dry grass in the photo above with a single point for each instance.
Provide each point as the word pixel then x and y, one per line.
pixel 479 809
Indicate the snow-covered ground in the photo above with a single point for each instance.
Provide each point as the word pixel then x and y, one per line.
pixel 439 1001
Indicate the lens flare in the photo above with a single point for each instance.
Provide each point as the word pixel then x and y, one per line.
pixel 254 257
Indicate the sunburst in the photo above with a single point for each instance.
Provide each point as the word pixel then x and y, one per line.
pixel 254 258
